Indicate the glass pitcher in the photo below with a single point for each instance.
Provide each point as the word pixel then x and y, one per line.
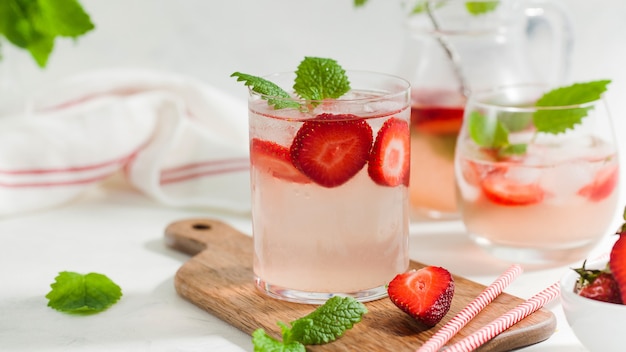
pixel 454 47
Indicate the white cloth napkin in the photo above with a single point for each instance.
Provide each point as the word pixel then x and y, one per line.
pixel 177 139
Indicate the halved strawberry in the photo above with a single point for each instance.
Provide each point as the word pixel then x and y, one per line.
pixel 617 260
pixel 424 294
pixel 274 159
pixel 599 285
pixel 500 189
pixel 602 185
pixel 390 156
pixel 331 149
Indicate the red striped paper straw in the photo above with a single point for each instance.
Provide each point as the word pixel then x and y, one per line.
pixel 505 321
pixel 471 310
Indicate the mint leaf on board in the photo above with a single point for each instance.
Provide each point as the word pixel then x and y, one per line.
pixel 83 294
pixel 481 7
pixel 325 324
pixel 557 121
pixel 34 25
pixel 328 322
pixel 275 95
pixel 264 343
pixel 320 78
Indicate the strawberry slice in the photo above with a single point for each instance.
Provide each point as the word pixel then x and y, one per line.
pixel 424 294
pixel 331 149
pixel 617 260
pixel 602 185
pixel 504 191
pixel 389 159
pixel 274 159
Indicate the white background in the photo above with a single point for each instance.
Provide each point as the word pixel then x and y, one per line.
pixel 118 232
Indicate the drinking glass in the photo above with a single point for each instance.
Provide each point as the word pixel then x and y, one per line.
pixel 535 197
pixel 315 237
pixel 453 48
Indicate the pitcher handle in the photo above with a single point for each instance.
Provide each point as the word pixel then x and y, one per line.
pixel 550 16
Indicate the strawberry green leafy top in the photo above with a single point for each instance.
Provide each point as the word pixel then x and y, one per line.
pixel 316 79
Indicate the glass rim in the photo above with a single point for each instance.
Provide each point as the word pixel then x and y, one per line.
pixel 477 99
pixel 403 87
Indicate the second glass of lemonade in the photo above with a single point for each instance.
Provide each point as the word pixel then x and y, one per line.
pixel 530 196
pixel 327 218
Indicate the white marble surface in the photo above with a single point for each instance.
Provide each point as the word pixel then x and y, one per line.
pixel 115 230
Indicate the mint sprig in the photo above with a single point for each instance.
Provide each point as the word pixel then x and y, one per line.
pixel 316 79
pixel 325 324
pixel 83 294
pixel 494 133
pixel 34 25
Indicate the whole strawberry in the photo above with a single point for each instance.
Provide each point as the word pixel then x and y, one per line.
pixel 599 285
pixel 617 261
pixel 424 294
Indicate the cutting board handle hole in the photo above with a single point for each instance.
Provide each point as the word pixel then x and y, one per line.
pixel 201 227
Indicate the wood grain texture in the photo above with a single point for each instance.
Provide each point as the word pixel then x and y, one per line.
pixel 219 279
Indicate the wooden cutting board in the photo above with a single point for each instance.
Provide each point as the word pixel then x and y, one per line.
pixel 219 279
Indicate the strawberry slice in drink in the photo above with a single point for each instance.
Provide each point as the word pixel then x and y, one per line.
pixel 602 185
pixel 390 157
pixel 274 159
pixel 504 190
pixel 331 149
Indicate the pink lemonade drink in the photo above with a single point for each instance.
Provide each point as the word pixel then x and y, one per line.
pixel 330 192
pixel 436 119
pixel 550 203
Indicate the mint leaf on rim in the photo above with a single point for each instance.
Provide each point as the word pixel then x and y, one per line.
pixel 494 133
pixel 320 78
pixel 325 324
pixel 557 121
pixel 275 95
pixel 76 293
pixel 316 79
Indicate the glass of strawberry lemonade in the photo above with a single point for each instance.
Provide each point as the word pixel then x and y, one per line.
pixel 537 171
pixel 329 184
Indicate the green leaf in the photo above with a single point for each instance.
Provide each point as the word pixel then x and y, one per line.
pixel 481 7
pixel 487 133
pixel 320 78
pixel 560 120
pixel 328 322
pixel 264 343
pixel 359 3
pixel 61 17
pixel 275 95
pixel 76 293
pixel 34 24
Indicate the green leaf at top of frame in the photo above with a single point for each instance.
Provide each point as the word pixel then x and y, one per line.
pixel 481 7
